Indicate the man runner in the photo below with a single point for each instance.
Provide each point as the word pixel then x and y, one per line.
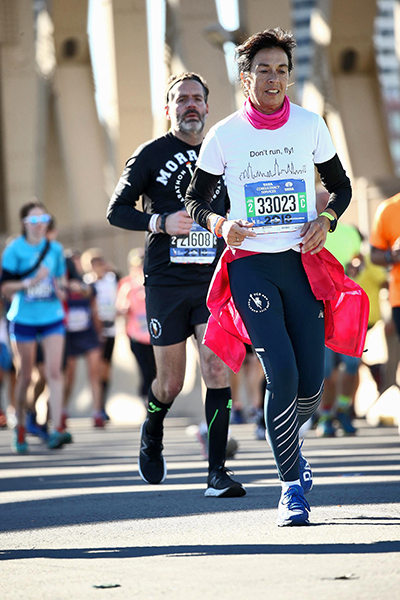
pixel 180 257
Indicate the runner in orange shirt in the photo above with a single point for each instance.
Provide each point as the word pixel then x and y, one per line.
pixel 385 248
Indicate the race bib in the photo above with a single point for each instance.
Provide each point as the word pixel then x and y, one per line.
pixel 78 319
pixel 43 290
pixel 276 206
pixel 198 247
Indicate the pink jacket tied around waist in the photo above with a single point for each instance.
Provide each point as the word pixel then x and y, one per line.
pixel 346 308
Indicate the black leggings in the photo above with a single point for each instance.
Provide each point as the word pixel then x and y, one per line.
pixel 285 323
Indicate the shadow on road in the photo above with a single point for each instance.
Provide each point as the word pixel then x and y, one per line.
pixel 158 503
pixel 203 550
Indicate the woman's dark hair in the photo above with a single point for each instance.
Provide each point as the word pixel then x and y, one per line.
pixel 26 209
pixel 174 79
pixel 269 38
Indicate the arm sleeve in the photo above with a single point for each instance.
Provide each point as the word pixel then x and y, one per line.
pixel 199 195
pixel 8 276
pixel 335 180
pixel 122 211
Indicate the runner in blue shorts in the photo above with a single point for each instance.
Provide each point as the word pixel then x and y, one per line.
pixel 33 275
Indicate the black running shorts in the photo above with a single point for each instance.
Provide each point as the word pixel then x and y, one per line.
pixel 172 312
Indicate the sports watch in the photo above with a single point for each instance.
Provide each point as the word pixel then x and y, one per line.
pixel 162 222
pixel 331 219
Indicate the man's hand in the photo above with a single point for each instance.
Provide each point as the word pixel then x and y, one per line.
pixel 385 258
pixel 178 223
pixel 314 235
pixel 235 232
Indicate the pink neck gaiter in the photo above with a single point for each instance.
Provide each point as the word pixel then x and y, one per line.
pixel 261 121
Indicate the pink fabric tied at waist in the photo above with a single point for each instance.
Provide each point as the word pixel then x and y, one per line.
pixel 346 303
pixel 346 308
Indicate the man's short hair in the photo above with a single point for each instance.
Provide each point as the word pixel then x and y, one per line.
pixel 174 79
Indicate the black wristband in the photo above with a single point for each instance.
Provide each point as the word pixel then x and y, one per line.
pixel 162 222
pixel 388 257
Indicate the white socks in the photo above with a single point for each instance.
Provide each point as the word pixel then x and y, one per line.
pixel 286 484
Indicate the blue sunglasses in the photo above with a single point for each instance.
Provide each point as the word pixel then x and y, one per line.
pixel 35 219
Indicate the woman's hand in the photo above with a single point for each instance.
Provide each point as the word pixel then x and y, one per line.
pixel 314 235
pixel 234 232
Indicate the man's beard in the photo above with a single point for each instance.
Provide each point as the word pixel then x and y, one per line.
pixel 191 126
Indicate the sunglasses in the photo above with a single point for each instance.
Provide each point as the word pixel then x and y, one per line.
pixel 35 219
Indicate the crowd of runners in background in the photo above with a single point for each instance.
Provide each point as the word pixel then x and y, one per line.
pixel 53 315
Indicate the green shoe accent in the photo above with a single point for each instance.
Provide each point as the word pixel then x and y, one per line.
pixel 343 402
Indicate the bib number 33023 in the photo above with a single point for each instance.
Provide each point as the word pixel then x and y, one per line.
pixel 276 206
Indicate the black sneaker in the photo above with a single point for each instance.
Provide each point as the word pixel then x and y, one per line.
pixel 220 485
pixel 152 466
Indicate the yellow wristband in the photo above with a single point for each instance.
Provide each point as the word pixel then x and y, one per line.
pixel 327 215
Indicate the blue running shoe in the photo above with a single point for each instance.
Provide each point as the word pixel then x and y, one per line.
pixel 260 433
pixel 105 416
pixel 325 427
pixel 237 417
pixel 293 508
pixel 306 476
pixel 58 439
pixel 344 419
pixel 68 439
pixel 34 428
